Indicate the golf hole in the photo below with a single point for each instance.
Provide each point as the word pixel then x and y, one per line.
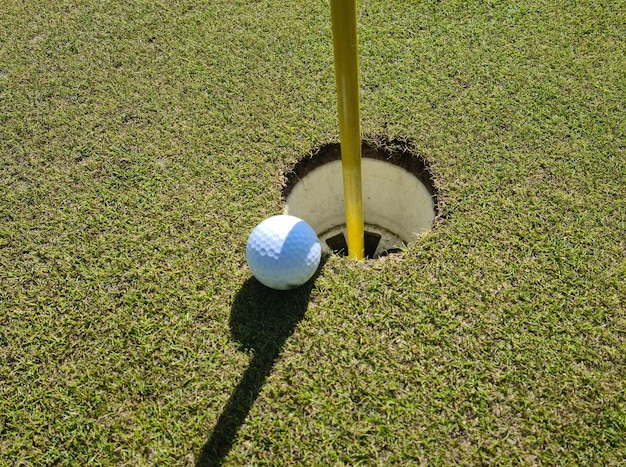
pixel 399 197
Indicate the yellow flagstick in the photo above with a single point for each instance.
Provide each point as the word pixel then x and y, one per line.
pixel 343 14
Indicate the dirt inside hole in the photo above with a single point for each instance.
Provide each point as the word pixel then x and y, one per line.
pixel 395 151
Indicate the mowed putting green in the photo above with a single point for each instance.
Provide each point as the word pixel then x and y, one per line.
pixel 141 142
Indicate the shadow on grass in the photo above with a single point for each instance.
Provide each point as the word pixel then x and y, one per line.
pixel 261 320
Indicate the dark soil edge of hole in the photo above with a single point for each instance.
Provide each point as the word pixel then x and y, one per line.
pixel 395 151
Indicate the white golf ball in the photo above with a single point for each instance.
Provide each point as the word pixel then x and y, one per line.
pixel 283 252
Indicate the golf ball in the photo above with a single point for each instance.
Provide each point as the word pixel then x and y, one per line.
pixel 283 252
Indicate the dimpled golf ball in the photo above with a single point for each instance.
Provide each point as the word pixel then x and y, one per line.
pixel 283 252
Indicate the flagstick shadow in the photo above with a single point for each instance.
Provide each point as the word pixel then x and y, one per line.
pixel 261 321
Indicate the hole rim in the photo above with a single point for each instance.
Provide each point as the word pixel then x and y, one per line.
pixel 396 151
pixel 399 152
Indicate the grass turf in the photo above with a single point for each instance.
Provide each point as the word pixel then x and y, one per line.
pixel 140 142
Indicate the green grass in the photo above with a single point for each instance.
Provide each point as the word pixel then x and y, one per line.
pixel 140 143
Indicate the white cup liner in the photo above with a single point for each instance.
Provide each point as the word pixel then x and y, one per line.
pixel 398 206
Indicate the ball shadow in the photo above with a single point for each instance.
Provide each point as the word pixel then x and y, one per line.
pixel 261 321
